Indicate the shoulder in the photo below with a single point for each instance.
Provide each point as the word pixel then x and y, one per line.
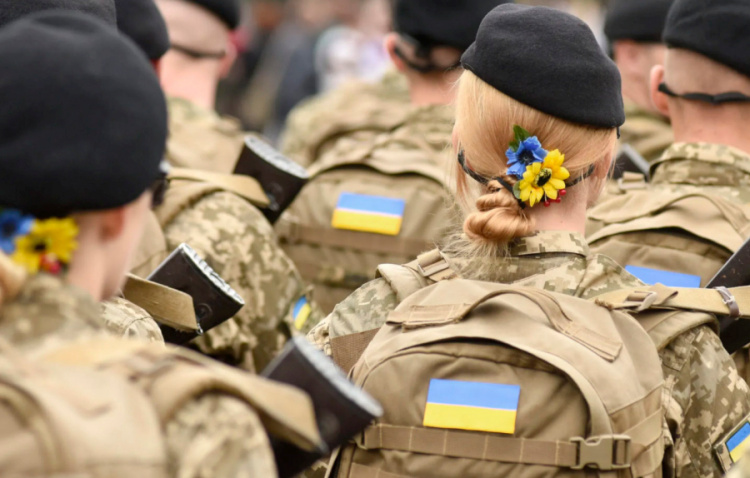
pixel 365 309
pixel 224 210
pixel 604 275
pixel 125 319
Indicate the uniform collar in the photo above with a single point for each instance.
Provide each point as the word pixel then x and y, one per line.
pixel 706 164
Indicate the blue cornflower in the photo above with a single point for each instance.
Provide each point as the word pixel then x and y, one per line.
pixel 12 225
pixel 529 151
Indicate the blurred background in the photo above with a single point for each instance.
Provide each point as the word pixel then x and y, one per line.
pixel 290 50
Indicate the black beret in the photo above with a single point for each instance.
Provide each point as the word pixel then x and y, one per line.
pixel 719 30
pixel 227 10
pixel 548 60
pixel 451 23
pixel 83 124
pixel 12 10
pixel 142 22
pixel 639 20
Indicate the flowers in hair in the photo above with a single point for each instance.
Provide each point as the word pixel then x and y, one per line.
pixel 540 173
pixel 35 244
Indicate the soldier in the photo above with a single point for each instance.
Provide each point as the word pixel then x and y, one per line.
pixel 380 196
pixel 73 207
pixel 688 222
pixel 222 226
pixel 526 131
pixel 633 29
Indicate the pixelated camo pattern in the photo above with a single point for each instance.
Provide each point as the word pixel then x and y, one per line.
pixel 125 319
pixel 649 133
pixel 237 241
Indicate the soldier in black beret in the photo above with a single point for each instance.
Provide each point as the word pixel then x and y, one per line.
pixel 142 22
pixel 104 10
pixel 634 30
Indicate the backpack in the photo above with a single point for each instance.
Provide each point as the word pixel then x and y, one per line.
pixel 482 379
pixel 673 238
pixel 368 206
pixel 62 421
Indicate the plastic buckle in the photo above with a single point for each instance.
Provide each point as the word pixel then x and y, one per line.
pixel 602 452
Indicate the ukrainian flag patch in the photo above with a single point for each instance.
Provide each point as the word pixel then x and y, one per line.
pixel 738 442
pixel 364 213
pixel 667 278
pixel 301 312
pixel 475 406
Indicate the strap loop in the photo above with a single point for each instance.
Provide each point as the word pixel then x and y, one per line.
pixel 730 301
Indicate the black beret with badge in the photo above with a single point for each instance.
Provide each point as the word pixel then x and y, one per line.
pixel 548 60
pixel 227 10
pixel 638 20
pixel 84 121
pixel 719 30
pixel 11 10
pixel 143 23
pixel 452 23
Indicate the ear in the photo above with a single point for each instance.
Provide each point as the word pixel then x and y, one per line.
pixel 391 42
pixel 228 61
pixel 659 99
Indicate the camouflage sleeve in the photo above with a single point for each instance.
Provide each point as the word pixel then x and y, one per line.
pixel 239 244
pixel 218 436
pixel 294 139
pixel 365 309
pixel 125 319
pixel 708 399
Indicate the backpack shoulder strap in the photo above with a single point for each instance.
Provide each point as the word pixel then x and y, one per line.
pixel 166 305
pixel 243 186
pixel 427 269
pixel 733 301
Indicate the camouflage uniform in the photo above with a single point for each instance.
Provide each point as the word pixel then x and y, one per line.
pixel 213 436
pixel 649 133
pixel 125 319
pixel 713 168
pixel 707 398
pixel 235 239
pixel 357 111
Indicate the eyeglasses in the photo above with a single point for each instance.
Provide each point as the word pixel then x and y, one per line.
pixel 731 97
pixel 159 187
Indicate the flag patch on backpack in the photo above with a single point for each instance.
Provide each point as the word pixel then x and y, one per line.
pixel 476 406
pixel 365 213
pixel 301 312
pixel 667 278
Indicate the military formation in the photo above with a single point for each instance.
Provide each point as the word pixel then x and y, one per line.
pixel 517 254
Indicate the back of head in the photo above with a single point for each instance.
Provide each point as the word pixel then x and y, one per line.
pixel 83 123
pixel 439 23
pixel 12 10
pixel 141 21
pixel 542 70
pixel 201 26
pixel 637 20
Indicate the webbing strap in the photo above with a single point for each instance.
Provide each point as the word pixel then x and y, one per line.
pixel 734 302
pixel 358 241
pixel 166 305
pixel 244 186
pixel 607 452
pixel 432 265
pixel 362 471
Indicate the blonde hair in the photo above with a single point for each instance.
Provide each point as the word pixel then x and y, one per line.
pixel 484 126
pixel 12 279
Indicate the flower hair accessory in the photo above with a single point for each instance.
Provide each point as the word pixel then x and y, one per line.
pixel 541 176
pixel 35 244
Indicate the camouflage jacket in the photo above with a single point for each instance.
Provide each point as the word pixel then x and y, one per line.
pixel 213 436
pixel 649 133
pixel 706 396
pixel 356 112
pixel 125 319
pixel 714 168
pixel 201 139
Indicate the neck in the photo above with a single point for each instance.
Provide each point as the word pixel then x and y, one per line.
pixel 430 91
pixel 87 273
pixel 712 126
pixel 637 92
pixel 572 219
pixel 195 81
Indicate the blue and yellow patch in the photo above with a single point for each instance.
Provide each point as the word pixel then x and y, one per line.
pixel 301 312
pixel 476 406
pixel 365 213
pixel 738 442
pixel 667 278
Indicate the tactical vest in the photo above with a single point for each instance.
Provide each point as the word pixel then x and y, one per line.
pixel 362 209
pixel 482 379
pixel 689 233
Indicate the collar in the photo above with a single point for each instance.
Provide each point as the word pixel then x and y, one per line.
pixel 707 164
pixel 550 242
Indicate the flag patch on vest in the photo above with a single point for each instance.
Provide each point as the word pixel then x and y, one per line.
pixel 476 406
pixel 376 214
pixel 301 312
pixel 667 278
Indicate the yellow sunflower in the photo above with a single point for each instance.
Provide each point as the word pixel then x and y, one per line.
pixel 543 179
pixel 50 241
